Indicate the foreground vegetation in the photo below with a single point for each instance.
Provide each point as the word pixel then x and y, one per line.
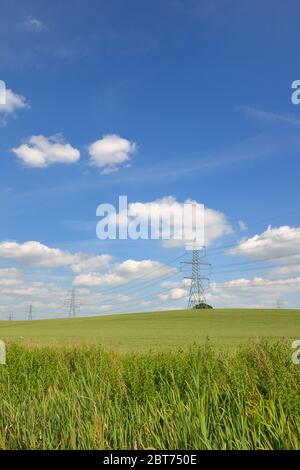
pixel 82 397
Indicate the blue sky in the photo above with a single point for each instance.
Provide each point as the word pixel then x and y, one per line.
pixel 203 91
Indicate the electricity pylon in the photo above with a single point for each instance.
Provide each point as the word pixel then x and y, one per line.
pixel 73 304
pixel 197 291
pixel 30 313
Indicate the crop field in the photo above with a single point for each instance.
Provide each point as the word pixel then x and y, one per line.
pixel 159 330
pixel 152 381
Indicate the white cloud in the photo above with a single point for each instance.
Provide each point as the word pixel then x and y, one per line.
pixel 10 273
pixel 290 267
pixel 36 254
pixel 242 225
pixel 176 293
pixel 242 283
pixel 110 152
pixel 216 225
pixel 88 263
pixel 146 267
pixel 124 272
pixel 10 277
pixel 169 209
pixel 95 279
pixel 256 293
pixel 40 151
pixel 19 288
pixel 46 297
pixel 272 243
pixel 17 291
pixel 12 103
pixel 49 299
pixel 33 25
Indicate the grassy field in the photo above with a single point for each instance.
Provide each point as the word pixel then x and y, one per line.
pixel 159 330
pixel 82 397
pixel 152 381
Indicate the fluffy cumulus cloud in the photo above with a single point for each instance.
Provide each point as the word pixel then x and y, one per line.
pixel 176 293
pixel 40 151
pixel 256 292
pixel 48 299
pixel 216 225
pixel 96 279
pixel 272 243
pixel 256 282
pixel 17 292
pixel 10 273
pixel 10 102
pixel 83 262
pixel 110 152
pixel 90 269
pixel 147 267
pixel 10 277
pixel 172 221
pixel 36 254
pixel 40 281
pixel 122 273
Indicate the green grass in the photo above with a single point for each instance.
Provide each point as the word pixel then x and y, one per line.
pixel 159 330
pixel 152 381
pixel 81 397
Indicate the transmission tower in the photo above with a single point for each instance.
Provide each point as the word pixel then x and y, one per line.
pixel 10 317
pixel 73 305
pixel 30 312
pixel 197 290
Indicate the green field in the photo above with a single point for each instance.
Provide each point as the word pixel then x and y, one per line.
pixel 152 381
pixel 159 330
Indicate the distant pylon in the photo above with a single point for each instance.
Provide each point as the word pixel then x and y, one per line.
pixel 73 305
pixel 197 291
pixel 10 316
pixel 30 312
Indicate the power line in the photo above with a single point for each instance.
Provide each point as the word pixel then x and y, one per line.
pixel 117 307
pixel 257 268
pixel 148 276
pixel 256 283
pixel 142 281
pixel 72 304
pixel 223 249
pixel 126 303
